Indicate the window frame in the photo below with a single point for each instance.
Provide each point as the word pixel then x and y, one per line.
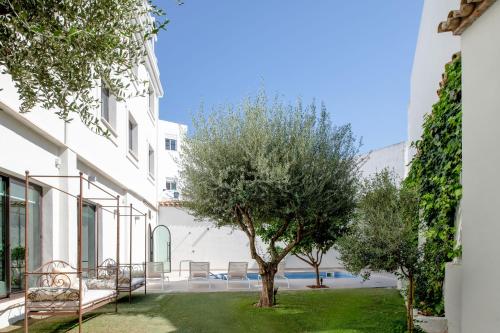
pixel 168 185
pixel 7 256
pixel 110 120
pixel 132 137
pixel 170 141
pixel 151 163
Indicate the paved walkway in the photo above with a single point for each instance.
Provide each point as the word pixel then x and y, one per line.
pixel 377 280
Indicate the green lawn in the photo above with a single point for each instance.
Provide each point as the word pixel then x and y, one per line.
pixel 335 311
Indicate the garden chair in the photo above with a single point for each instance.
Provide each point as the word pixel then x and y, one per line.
pixel 199 271
pixel 280 274
pixel 155 270
pixel 237 271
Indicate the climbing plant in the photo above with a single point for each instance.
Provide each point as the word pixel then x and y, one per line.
pixel 436 170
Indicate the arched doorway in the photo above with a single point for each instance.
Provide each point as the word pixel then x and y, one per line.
pixel 160 246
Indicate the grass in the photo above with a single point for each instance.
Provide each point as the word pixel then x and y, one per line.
pixel 332 311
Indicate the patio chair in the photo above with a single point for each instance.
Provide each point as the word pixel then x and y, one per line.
pixel 280 274
pixel 199 271
pixel 155 270
pixel 237 271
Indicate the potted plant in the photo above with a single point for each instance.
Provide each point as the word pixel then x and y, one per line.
pixel 17 263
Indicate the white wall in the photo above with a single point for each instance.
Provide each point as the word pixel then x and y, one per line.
pixel 433 51
pixel 481 181
pixel 391 157
pixel 43 144
pixel 168 167
pixel 202 241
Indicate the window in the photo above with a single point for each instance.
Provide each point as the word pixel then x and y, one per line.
pixel 105 104
pixel 151 163
pixel 171 185
pixel 170 144
pixel 12 225
pixel 132 136
pixel 108 109
pixel 151 102
pixel 89 236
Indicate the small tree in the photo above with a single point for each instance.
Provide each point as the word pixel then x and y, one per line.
pixel 384 236
pixel 57 52
pixel 313 247
pixel 259 168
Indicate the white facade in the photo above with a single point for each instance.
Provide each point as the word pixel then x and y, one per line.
pixel 391 157
pixel 43 144
pixel 202 241
pixel 471 282
pixel 480 306
pixel 170 136
pixel 432 52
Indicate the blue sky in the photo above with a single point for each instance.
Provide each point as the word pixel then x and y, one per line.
pixel 356 56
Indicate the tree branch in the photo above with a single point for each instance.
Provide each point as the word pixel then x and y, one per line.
pixel 303 259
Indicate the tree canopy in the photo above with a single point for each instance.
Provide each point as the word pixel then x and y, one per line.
pixel 57 51
pixel 266 168
pixel 384 235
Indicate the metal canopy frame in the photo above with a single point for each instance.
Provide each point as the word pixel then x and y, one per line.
pixel 133 212
pixel 80 199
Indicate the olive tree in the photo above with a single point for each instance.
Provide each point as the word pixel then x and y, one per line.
pixel 384 235
pixel 258 167
pixel 58 51
pixel 314 246
pixel 339 176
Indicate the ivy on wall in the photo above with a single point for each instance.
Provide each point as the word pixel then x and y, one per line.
pixel 436 170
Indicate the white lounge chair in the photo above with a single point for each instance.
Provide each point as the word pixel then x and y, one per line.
pixel 199 271
pixel 280 274
pixel 237 271
pixel 155 270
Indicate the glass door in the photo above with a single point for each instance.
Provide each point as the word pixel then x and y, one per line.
pixel 89 236
pixel 4 199
pixel 160 243
pixel 17 220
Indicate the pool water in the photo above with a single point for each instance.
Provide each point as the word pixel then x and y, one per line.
pixel 302 275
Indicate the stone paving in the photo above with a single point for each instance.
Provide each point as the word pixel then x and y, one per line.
pixel 377 280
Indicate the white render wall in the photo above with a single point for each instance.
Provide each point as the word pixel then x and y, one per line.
pixel 202 241
pixel 481 181
pixel 432 52
pixel 168 167
pixel 43 144
pixel 391 157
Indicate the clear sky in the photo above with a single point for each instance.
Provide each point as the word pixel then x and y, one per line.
pixel 354 55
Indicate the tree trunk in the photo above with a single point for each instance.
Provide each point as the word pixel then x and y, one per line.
pixel 267 294
pixel 316 270
pixel 409 306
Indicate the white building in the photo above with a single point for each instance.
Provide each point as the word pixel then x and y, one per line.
pixel 432 52
pixel 471 282
pixel 391 157
pixel 472 305
pixel 194 240
pixel 124 164
pixel 170 137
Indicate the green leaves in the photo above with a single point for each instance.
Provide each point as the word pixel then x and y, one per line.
pixel 57 52
pixel 436 171
pixel 284 167
pixel 384 235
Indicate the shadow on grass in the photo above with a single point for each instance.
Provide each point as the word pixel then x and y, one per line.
pixel 334 311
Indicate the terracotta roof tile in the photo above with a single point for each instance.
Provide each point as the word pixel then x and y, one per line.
pixel 170 203
pixel 461 19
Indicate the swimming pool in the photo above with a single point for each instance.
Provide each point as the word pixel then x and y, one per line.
pixel 301 275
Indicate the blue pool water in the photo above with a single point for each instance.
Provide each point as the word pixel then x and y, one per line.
pixel 302 275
